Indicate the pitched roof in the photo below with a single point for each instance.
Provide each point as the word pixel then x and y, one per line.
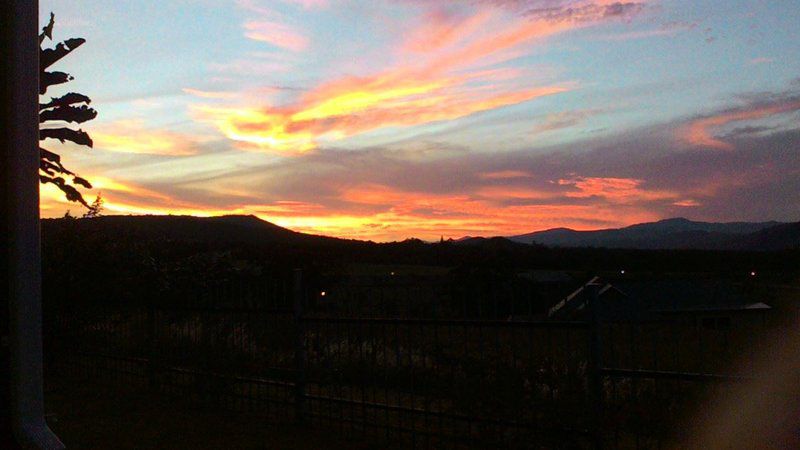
pixel 643 299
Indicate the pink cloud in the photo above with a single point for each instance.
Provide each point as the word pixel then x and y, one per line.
pixel 441 29
pixel 277 34
pixel 699 132
pixel 445 83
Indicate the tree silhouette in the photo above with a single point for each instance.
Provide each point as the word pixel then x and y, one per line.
pixel 71 107
pixel 96 208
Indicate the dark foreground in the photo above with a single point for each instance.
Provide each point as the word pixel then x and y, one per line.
pixel 92 417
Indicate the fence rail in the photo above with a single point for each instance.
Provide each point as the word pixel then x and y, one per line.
pixel 430 382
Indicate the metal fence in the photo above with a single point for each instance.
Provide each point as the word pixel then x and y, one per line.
pixel 404 363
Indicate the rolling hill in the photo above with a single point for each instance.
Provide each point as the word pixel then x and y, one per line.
pixel 233 229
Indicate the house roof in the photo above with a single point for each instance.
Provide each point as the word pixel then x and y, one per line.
pixel 642 299
pixel 615 302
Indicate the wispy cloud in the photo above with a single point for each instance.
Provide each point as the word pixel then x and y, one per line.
pixel 132 136
pixel 617 190
pixel 275 33
pixel 447 80
pixel 667 29
pixel 442 28
pixel 210 94
pixel 700 132
pixel 357 105
pixel 505 174
pixel 564 119
pixel 687 203
pixel 308 4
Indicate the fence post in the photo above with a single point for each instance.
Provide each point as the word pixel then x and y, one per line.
pixel 298 294
pixel 596 394
pixel 152 346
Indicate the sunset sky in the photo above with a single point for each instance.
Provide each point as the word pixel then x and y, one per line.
pixel 386 120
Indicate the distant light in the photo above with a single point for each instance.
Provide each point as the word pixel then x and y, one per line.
pixel 622 271
pixel 752 274
pixel 391 273
pixel 322 294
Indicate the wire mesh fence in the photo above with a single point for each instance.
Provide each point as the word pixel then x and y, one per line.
pixel 406 363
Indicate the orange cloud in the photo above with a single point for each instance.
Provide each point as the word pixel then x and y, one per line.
pixel 53 203
pixel 398 214
pixel 443 82
pixel 504 175
pixel 124 197
pixel 353 106
pixel 285 208
pixel 619 190
pixel 699 132
pixel 380 212
pixel 131 136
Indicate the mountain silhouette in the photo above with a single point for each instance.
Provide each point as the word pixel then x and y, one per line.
pixel 677 233
pixel 238 229
pixel 673 234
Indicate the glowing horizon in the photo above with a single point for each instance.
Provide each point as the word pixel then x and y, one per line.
pixel 386 120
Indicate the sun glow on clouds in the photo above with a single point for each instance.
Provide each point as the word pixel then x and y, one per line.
pixel 429 217
pixel 352 107
pixel 440 74
pixel 620 190
pixel 381 212
pixel 351 138
pixel 131 136
pixel 398 214
pixel 125 198
pixel 700 131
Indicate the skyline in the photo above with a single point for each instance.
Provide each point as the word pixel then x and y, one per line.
pixel 387 120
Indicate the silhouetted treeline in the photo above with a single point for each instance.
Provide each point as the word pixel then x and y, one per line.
pixel 135 257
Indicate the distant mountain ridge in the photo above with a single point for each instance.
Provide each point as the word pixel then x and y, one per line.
pixel 677 233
